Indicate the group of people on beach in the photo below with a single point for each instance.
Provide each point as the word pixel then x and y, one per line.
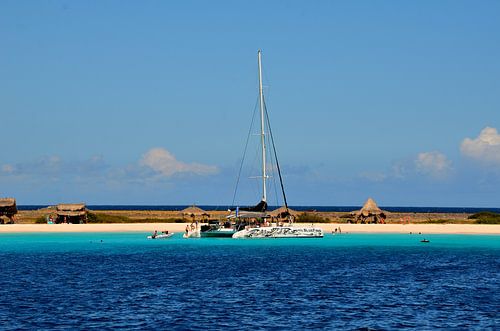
pixel 337 230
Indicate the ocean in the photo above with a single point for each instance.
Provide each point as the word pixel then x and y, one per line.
pixel 348 281
pixel 469 210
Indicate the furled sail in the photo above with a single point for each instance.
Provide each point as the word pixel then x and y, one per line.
pixel 260 207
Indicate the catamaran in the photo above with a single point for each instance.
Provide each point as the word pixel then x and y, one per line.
pixel 254 221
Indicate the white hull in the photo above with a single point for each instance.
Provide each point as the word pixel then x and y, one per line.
pixel 161 236
pixel 280 232
pixel 218 233
pixel 192 234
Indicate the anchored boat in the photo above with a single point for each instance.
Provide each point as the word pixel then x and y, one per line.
pixel 255 222
pixel 214 229
pixel 279 232
pixel 162 235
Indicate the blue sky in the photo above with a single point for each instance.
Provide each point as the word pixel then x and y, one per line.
pixel 128 102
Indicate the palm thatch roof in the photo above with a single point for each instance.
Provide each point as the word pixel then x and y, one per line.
pixel 8 206
pixel 282 211
pixel 369 208
pixel 71 209
pixel 7 202
pixel 193 210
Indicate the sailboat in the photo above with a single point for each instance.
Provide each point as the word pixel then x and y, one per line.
pixel 255 219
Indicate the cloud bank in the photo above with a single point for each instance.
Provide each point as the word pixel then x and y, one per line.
pixel 157 161
pixel 485 148
pixel 163 162
pixel 434 165
pixel 54 166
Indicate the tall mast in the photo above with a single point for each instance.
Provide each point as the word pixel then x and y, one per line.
pixel 262 132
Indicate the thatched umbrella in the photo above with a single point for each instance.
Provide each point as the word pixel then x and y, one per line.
pixel 370 211
pixel 284 212
pixel 8 208
pixel 71 212
pixel 194 211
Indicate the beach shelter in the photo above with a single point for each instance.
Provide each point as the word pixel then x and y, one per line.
pixel 8 208
pixel 71 213
pixel 193 212
pixel 370 213
pixel 284 213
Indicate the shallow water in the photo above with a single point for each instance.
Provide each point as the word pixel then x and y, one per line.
pixel 348 281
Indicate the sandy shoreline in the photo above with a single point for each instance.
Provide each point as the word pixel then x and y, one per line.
pixel 328 228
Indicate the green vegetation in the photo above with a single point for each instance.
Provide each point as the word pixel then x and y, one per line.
pixel 106 218
pixel 311 218
pixel 486 217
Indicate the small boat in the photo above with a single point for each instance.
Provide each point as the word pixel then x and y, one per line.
pixel 424 241
pixel 163 235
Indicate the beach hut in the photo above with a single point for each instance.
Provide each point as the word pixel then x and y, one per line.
pixel 194 212
pixel 283 212
pixel 75 213
pixel 370 213
pixel 8 208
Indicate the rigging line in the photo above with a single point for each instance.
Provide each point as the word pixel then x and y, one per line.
pixel 273 168
pixel 275 155
pixel 244 152
pixel 254 165
pixel 274 179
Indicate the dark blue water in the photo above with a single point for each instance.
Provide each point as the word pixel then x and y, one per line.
pixel 382 282
pixel 469 210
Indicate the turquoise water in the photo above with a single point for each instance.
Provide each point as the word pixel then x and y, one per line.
pixel 66 242
pixel 347 281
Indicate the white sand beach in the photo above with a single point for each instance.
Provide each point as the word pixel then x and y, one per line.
pixel 328 228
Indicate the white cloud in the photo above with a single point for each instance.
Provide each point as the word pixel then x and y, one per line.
pixel 401 169
pixel 165 163
pixel 434 164
pixel 7 168
pixel 484 148
pixel 426 164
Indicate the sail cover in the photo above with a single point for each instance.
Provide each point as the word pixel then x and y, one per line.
pixel 260 207
pixel 257 211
